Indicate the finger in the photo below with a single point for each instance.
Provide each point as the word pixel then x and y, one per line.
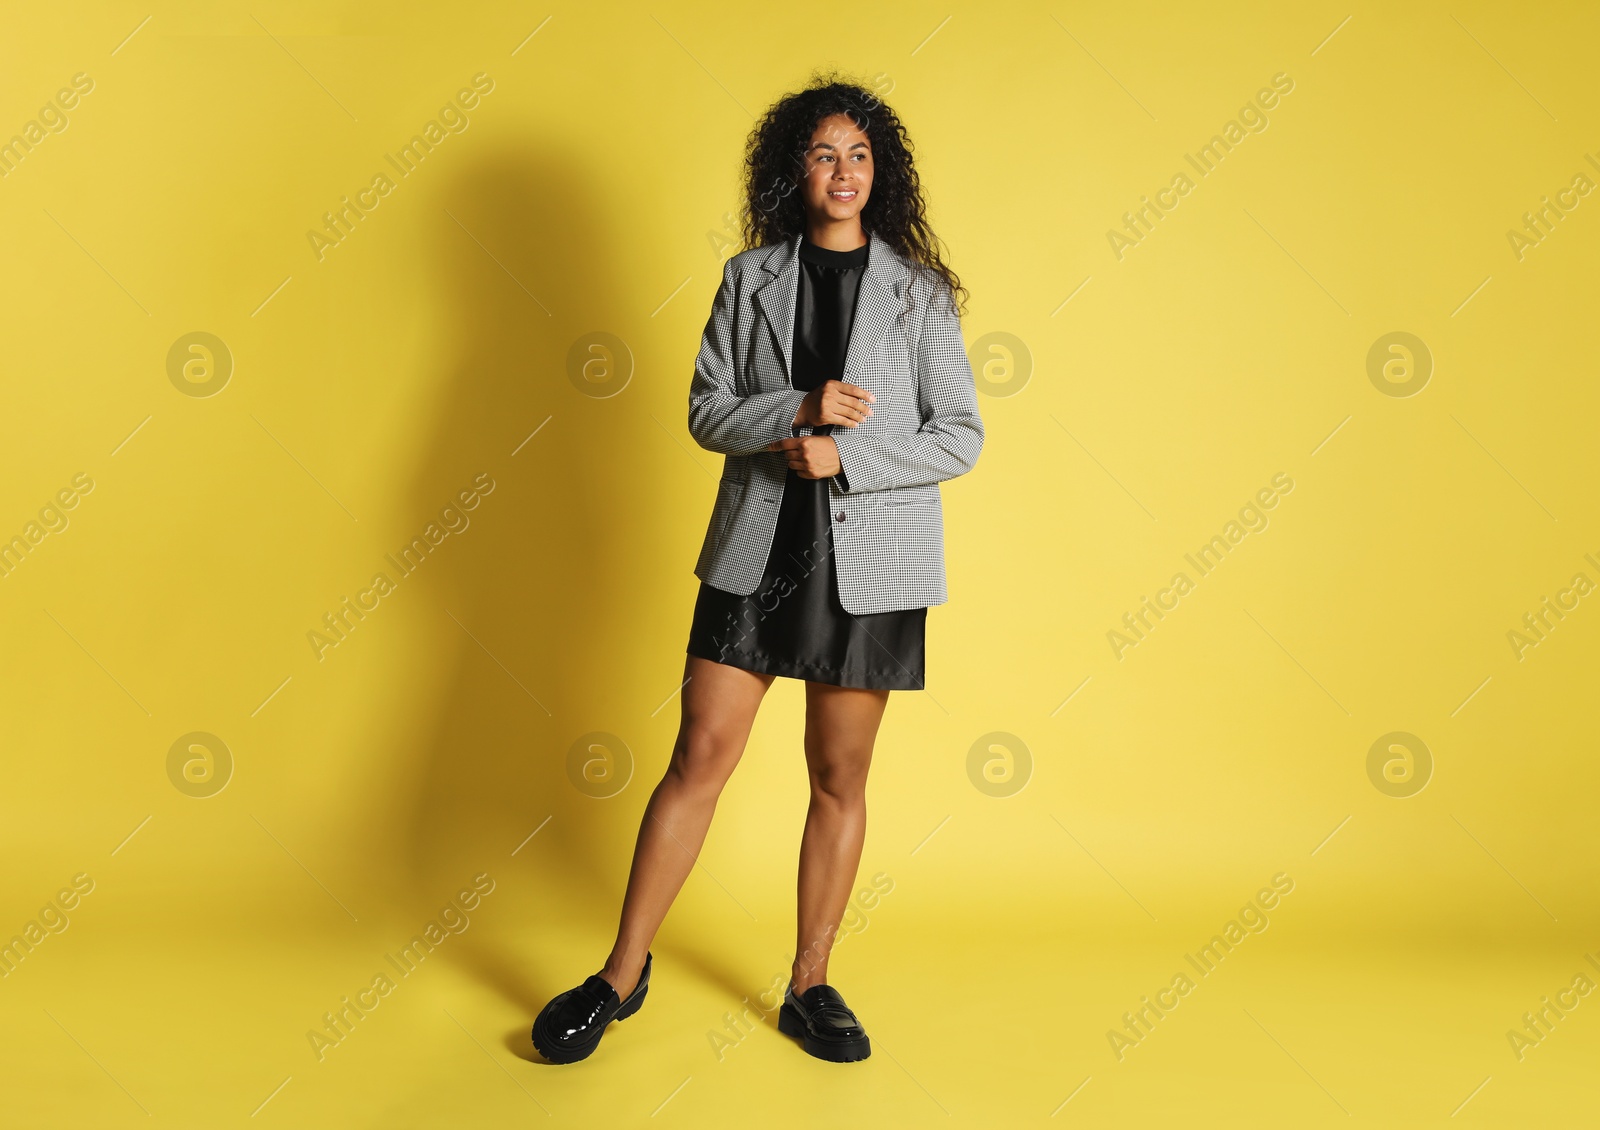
pixel 855 390
pixel 849 413
pixel 853 404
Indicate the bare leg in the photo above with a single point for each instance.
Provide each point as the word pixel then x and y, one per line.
pixel 841 728
pixel 719 707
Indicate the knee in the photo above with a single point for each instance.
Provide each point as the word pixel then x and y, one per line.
pixel 703 758
pixel 839 781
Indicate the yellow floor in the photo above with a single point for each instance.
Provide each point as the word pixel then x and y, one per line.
pixel 172 1020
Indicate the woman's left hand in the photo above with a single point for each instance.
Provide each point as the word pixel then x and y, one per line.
pixel 812 457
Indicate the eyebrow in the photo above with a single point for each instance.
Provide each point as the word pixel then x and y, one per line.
pixel 829 145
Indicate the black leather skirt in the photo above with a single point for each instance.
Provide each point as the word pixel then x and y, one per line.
pixel 793 624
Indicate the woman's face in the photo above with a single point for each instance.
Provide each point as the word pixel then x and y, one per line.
pixel 838 170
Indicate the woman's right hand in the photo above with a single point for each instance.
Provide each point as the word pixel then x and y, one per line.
pixel 835 402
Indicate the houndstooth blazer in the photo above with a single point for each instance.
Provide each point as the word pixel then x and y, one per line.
pixel 905 346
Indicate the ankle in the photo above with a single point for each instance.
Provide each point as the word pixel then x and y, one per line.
pixel 623 975
pixel 801 982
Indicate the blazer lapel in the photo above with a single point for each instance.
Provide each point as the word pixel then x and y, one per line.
pixel 877 302
pixel 775 298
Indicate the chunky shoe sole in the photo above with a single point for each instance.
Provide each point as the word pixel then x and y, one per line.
pixel 555 1053
pixel 791 1023
pixel 571 1053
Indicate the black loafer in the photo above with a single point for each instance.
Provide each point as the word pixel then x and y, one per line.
pixel 570 1026
pixel 827 1027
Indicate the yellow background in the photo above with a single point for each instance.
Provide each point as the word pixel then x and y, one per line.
pixel 592 192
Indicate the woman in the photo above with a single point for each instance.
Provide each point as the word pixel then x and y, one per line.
pixel 833 377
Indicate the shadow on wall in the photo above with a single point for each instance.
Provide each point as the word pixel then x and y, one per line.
pixel 540 596
pixel 529 586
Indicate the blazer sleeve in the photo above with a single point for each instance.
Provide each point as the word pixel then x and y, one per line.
pixel 719 419
pixel 951 435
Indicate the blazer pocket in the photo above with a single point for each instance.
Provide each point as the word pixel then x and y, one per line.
pixel 729 492
pixel 912 496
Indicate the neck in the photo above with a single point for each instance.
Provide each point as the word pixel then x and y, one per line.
pixel 836 235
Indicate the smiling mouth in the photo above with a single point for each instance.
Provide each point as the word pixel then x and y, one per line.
pixel 843 194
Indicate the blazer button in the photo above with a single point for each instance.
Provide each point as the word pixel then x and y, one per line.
pixel 840 516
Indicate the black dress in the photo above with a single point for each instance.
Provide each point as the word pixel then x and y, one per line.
pixel 793 624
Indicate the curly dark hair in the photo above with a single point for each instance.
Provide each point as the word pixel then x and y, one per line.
pixel 775 165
